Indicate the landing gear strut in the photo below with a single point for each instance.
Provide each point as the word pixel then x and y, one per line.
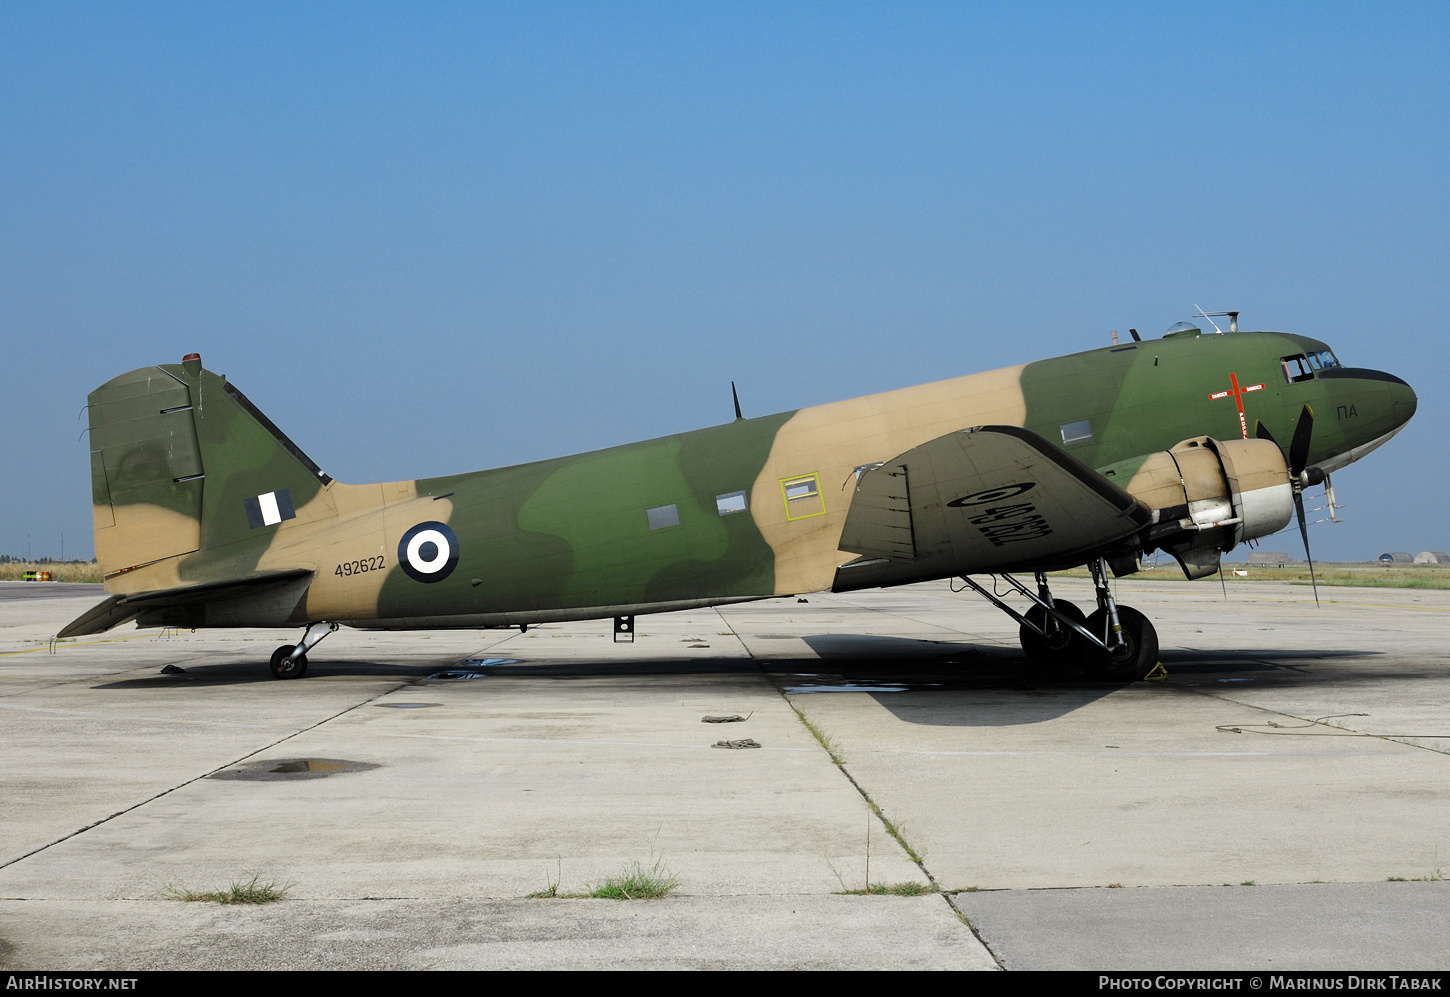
pixel 1045 638
pixel 1115 644
pixel 1129 647
pixel 290 660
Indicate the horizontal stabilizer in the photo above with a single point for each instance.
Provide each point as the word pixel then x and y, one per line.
pixel 992 498
pixel 100 618
pixel 190 602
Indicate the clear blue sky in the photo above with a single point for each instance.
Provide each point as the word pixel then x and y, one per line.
pixel 435 238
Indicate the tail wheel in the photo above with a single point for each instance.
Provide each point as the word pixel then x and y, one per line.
pixel 284 669
pixel 1062 644
pixel 1133 660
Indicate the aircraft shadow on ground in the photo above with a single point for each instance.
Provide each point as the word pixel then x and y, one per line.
pixel 939 683
pixel 249 672
pixel 1284 668
pixel 1272 659
pixel 924 682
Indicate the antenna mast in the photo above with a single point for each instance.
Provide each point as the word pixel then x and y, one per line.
pixel 1233 319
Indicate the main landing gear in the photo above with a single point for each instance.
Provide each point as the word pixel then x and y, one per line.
pixel 290 660
pixel 1114 644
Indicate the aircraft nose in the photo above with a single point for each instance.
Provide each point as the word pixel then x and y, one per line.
pixel 1378 402
pixel 1404 401
pixel 1402 398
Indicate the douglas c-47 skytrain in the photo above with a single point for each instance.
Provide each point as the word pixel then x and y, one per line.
pixel 207 515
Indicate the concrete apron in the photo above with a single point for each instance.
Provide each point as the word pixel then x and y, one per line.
pixel 563 767
pixel 581 756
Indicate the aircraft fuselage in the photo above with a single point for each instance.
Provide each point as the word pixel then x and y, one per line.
pixel 746 510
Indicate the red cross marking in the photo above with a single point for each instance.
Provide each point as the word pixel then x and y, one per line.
pixel 1238 394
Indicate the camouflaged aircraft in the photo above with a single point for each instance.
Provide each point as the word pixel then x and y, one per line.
pixel 207 515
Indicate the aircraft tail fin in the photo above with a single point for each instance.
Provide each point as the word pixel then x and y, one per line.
pixel 181 462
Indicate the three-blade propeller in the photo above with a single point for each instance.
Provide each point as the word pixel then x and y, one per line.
pixel 1300 476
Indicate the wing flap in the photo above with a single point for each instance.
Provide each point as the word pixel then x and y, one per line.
pixel 991 498
pixel 883 527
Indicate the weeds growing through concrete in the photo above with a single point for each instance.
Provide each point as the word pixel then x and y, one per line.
pixel 1435 876
pixel 895 831
pixel 249 892
pixel 825 742
pixel 892 890
pixel 552 890
pixel 869 888
pixel 821 847
pixel 638 882
pixel 820 736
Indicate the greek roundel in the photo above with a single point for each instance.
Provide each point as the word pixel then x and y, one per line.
pixel 428 552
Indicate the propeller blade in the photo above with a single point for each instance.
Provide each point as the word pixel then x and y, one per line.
pixel 1262 432
pixel 1299 446
pixel 1304 532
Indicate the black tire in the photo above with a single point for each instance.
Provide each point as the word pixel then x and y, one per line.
pixel 1131 662
pixel 281 669
pixel 1058 648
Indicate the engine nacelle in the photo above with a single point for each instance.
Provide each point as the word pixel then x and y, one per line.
pixel 1208 496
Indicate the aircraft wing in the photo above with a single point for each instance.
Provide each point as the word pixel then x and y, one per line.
pixel 987 499
pixel 259 587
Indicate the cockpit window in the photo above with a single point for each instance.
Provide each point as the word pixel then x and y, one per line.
pixel 1325 358
pixel 1296 368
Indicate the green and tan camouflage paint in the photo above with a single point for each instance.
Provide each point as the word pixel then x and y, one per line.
pixel 569 538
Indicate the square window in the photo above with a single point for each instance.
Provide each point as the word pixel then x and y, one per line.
pixel 662 516
pixel 800 489
pixel 730 502
pixel 1077 432
pixel 802 496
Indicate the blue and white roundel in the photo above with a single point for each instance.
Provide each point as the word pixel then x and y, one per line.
pixel 428 552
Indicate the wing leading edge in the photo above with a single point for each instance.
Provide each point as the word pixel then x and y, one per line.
pixel 987 499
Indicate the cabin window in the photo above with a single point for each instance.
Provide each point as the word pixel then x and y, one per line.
pixel 1296 369
pixel 730 502
pixel 805 488
pixel 662 516
pixel 1077 432
pixel 802 496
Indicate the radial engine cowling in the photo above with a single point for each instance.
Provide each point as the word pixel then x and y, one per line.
pixel 1209 495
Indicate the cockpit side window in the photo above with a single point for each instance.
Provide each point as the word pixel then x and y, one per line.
pixel 1296 368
